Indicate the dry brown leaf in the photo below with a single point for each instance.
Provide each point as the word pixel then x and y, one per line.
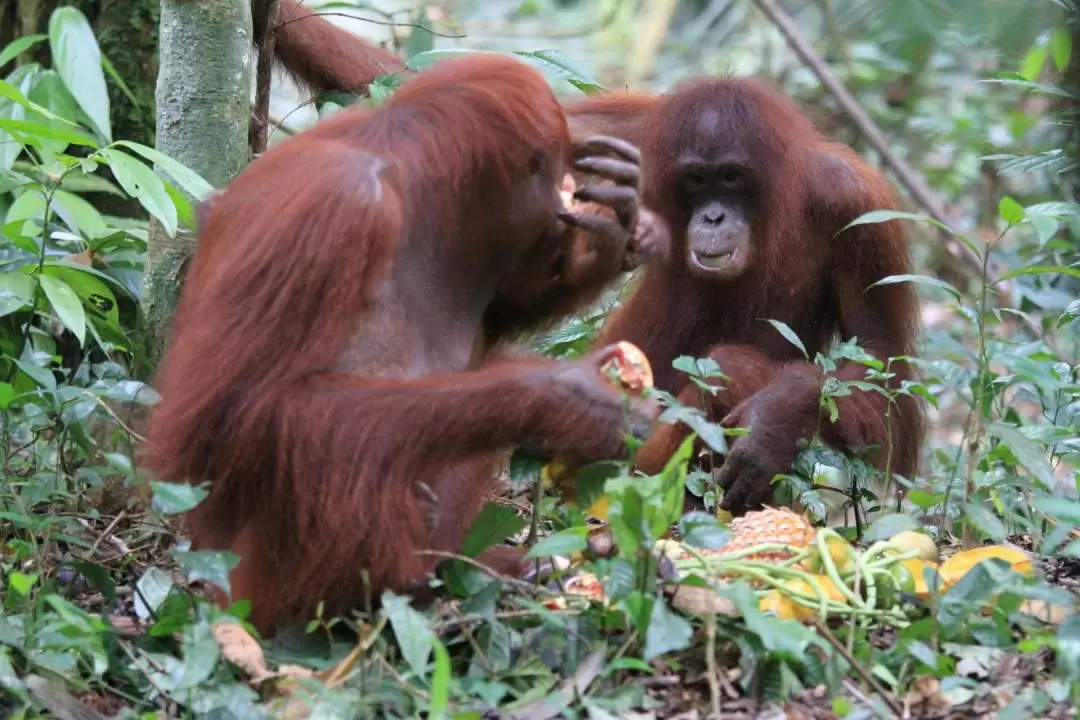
pixel 702 601
pixel 242 650
pixel 1042 610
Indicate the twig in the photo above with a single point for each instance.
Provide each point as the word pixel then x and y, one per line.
pixel 859 670
pixel 710 665
pixel 520 584
pixel 115 417
pixel 263 72
pixel 911 181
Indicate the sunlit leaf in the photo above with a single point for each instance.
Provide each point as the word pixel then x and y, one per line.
pixel 18 46
pixel 1061 48
pixel 182 175
pixel 139 181
pixel 667 631
pixel 153 587
pixel 411 630
pixel 1010 211
pixel 209 565
pixel 789 335
pixel 1026 452
pixel 16 291
pixel 66 304
pixel 919 280
pixel 440 680
pixel 564 542
pixel 1034 62
pixel 173 498
pixel 77 58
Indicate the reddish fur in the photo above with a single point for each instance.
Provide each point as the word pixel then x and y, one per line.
pixel 319 55
pixel 324 352
pixel 802 275
pixel 816 187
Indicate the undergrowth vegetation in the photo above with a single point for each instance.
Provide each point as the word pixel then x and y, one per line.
pixel 103 604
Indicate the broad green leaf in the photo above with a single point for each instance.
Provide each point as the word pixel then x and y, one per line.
pixel 789 335
pixel 98 300
pixel 494 524
pixel 888 525
pixel 411 630
pixel 174 498
pixel 440 680
pixel 77 58
pixel 1011 211
pixel 16 291
pixel 1061 509
pixel 1060 48
pixel 209 565
pixel 985 521
pixel 189 180
pixel 66 304
pixel 968 594
pixel 920 280
pixel 18 46
pixel 1067 644
pixel 10 148
pixel 563 542
pixel 79 215
pixel 139 181
pixel 559 65
pixel 421 39
pixel 1040 270
pixel 1026 452
pixel 21 582
pixel 24 128
pixel 667 631
pixel 1045 227
pixel 7 394
pixel 880 216
pixel 153 587
pixel 1034 62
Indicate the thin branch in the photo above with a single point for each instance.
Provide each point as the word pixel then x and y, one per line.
pixel 911 181
pixel 263 73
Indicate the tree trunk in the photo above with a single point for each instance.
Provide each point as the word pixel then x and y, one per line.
pixel 203 115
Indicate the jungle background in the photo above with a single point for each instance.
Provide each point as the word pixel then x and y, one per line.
pixel 970 106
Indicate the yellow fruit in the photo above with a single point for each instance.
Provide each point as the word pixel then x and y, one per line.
pixel 841 553
pixel 953 569
pixel 784 607
pixel 724 516
pixel 916 567
pixel 828 587
pixel 770 526
pixel 921 543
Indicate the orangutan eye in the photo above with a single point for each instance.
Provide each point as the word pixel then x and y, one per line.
pixel 732 178
pixel 694 180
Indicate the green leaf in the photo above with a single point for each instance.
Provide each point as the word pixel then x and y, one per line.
pixel 789 335
pixel 98 300
pixel 139 181
pixel 667 632
pixel 66 304
pixel 985 521
pixel 1060 48
pixel 153 587
pixel 564 542
pixel 968 594
pixel 1040 270
pixel 22 130
pixel 421 39
pixel 412 631
pixel 888 525
pixel 21 582
pixel 1011 211
pixel 16 291
pixel 18 46
pixel 424 60
pixel 1026 452
pixel 1034 62
pixel 440 680
pixel 210 565
pixel 15 95
pixel 174 498
pixel 77 58
pixel 189 180
pixel 1061 509
pixel 559 65
pixel 494 524
pixel 7 394
pixel 880 216
pixel 919 280
pixel 702 530
pixel 1067 644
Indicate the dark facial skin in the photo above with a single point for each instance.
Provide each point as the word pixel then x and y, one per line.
pixel 719 197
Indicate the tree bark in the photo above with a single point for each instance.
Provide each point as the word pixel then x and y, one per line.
pixel 203 116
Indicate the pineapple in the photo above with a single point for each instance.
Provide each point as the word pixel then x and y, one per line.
pixel 770 526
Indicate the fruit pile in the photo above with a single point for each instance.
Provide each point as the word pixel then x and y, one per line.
pixel 804 572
